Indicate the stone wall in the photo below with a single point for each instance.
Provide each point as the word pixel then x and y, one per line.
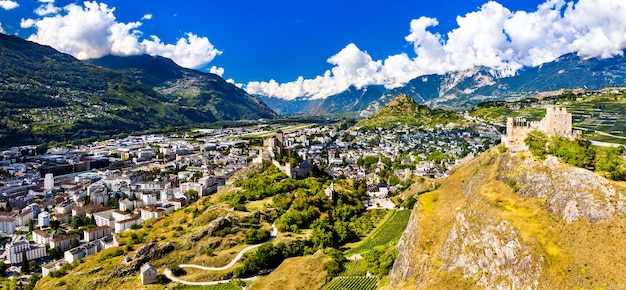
pixel 556 122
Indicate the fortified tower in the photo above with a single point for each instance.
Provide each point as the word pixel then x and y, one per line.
pixel 557 122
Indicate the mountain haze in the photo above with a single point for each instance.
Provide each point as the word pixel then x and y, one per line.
pixel 464 89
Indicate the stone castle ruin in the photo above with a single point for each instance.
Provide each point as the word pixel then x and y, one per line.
pixel 557 122
pixel 275 147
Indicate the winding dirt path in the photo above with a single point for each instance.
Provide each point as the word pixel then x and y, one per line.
pixel 170 276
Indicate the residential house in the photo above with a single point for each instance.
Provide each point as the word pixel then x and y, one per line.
pixel 51 267
pixel 126 204
pixel 148 274
pixel 80 252
pixel 123 225
pixel 7 225
pixel 151 212
pixel 23 218
pixel 15 249
pixel 41 237
pixel 104 218
pixel 63 242
pixel 96 233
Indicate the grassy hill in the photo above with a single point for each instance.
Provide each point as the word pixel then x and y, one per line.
pixel 511 221
pixel 404 111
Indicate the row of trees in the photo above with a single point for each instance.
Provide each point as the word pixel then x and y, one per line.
pixel 608 162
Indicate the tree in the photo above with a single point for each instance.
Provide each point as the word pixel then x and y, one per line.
pixel 3 268
pixel 25 265
pixel 75 243
pixel 537 143
pixel 193 194
pixel 611 164
pixel 176 270
pixel 31 225
pixel 55 224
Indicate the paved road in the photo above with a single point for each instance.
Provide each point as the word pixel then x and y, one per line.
pixel 169 275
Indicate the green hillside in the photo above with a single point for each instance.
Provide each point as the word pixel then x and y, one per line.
pixel 189 88
pixel 404 111
pixel 46 95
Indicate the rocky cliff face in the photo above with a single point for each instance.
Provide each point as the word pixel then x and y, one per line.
pixel 506 221
pixel 572 193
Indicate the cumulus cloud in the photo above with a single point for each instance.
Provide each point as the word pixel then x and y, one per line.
pixel 92 31
pixel 47 9
pixel 147 17
pixel 2 29
pixel 8 5
pixel 217 70
pixel 492 36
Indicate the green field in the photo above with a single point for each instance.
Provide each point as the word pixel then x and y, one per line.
pixel 352 283
pixel 389 232
pixel 355 268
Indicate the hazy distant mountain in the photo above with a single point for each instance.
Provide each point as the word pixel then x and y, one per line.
pixel 464 89
pixel 190 88
pixel 350 100
pixel 461 90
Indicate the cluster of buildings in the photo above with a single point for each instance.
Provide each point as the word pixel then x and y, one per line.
pixel 140 178
pixel 122 183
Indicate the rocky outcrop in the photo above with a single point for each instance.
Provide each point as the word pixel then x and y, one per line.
pixel 215 225
pixel 510 221
pixel 490 253
pixel 144 254
pixel 402 269
pixel 573 193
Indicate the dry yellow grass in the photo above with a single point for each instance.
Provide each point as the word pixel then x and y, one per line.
pixel 580 254
pixel 296 273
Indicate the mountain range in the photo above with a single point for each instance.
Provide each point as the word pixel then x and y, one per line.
pixel 464 89
pixel 46 95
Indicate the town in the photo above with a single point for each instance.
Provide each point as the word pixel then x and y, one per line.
pixel 66 204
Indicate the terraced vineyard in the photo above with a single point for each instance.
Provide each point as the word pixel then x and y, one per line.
pixel 387 233
pixel 355 268
pixel 352 283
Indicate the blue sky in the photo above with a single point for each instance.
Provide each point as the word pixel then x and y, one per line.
pixel 316 48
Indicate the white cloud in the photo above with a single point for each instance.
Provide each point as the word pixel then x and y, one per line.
pixel 192 51
pixel 147 17
pixel 8 5
pixel 492 36
pixel 92 31
pixel 2 29
pixel 47 9
pixel 27 23
pixel 217 70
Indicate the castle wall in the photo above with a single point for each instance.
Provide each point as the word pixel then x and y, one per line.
pixel 556 122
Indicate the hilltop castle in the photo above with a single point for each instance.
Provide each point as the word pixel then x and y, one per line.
pixel 275 147
pixel 556 122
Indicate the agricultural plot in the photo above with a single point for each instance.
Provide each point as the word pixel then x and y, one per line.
pixel 355 268
pixel 389 232
pixel 352 283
